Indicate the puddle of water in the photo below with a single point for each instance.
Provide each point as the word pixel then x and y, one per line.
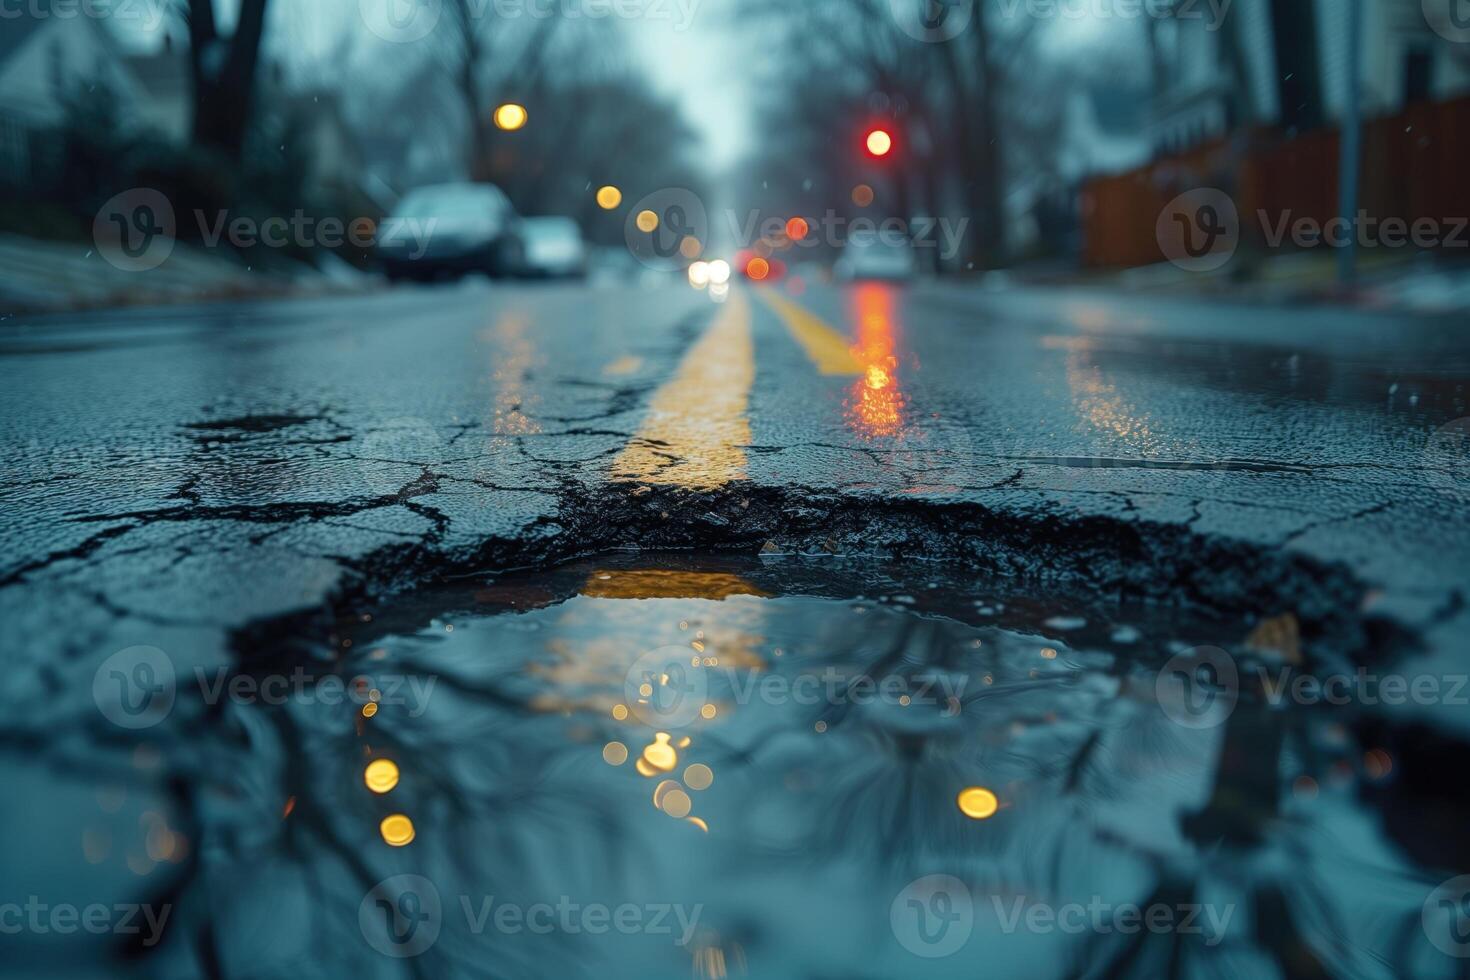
pixel 684 767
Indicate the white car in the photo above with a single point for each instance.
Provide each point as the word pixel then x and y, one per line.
pixel 886 257
pixel 554 248
pixel 451 229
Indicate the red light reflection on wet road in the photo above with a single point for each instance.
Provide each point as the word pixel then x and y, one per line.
pixel 875 403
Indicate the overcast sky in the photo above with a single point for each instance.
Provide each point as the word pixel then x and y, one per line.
pixel 685 45
pixel 706 68
pixel 691 49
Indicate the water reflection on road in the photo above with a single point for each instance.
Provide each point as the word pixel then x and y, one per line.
pixel 790 769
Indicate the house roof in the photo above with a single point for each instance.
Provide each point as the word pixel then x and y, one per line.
pixel 17 32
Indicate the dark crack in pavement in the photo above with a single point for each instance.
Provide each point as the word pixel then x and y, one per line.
pixel 231 486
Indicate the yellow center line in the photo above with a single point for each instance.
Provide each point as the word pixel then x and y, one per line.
pixel 627 364
pixel 698 423
pixel 830 352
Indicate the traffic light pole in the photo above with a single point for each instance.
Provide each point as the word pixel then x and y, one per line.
pixel 1352 136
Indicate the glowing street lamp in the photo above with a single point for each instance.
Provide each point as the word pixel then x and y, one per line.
pixel 609 197
pixel 510 117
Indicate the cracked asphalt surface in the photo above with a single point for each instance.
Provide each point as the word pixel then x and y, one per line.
pixel 213 480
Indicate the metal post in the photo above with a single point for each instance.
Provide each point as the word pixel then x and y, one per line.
pixel 1352 137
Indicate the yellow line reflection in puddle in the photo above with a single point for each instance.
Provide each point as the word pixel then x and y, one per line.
pixel 697 424
pixel 829 350
pixel 656 583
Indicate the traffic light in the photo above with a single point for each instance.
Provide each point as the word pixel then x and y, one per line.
pixel 880 143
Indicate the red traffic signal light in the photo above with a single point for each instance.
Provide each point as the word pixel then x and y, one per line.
pixel 880 142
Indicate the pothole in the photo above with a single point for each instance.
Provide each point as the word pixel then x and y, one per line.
pixel 673 765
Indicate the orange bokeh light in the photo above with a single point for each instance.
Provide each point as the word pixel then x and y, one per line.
pixel 875 402
pixel 757 268
pixel 797 228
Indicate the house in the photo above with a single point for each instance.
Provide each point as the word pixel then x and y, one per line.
pixel 1102 129
pixel 1287 80
pixel 164 77
pixel 45 59
pixel 399 151
pixel 314 121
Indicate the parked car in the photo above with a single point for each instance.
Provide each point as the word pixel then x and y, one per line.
pixel 877 257
pixel 554 248
pixel 449 230
pixel 611 266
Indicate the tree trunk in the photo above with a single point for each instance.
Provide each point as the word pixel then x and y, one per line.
pixel 467 78
pixel 962 149
pixel 224 75
pixel 1298 73
pixel 988 152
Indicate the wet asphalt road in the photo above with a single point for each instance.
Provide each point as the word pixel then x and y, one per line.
pixel 229 483
pixel 173 476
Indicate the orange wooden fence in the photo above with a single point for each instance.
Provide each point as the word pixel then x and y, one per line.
pixel 1416 164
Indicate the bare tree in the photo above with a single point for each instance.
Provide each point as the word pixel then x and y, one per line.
pixel 224 70
pixel 480 59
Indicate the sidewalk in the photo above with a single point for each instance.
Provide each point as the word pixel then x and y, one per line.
pixel 46 276
pixel 1416 286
